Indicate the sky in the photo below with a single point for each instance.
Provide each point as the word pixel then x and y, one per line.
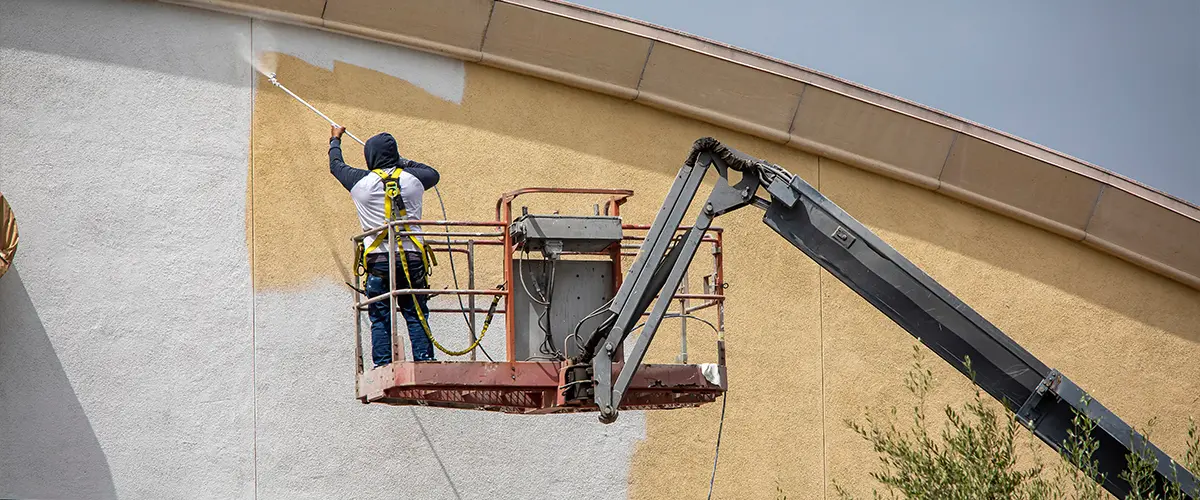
pixel 1112 82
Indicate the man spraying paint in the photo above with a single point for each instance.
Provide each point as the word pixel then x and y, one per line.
pixel 374 194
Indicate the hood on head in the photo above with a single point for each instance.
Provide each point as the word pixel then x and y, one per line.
pixel 380 152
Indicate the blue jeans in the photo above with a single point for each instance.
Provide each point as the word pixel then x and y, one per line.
pixel 381 322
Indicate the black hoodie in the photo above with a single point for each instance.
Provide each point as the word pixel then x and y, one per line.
pixel 380 153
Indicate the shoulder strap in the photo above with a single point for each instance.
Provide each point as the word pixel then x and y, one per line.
pixel 393 209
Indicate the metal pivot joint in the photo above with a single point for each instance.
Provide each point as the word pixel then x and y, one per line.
pixel 662 265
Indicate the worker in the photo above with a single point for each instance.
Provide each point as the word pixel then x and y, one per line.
pixel 367 189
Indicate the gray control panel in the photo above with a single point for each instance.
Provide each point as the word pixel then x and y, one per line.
pixel 554 234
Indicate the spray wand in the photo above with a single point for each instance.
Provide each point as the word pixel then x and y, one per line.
pixel 271 78
pixel 274 81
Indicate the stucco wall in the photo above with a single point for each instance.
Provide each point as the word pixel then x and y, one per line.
pixel 192 339
pixel 124 361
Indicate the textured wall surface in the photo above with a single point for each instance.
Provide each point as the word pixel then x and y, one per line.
pixel 804 352
pixel 176 325
pixel 125 362
pixel 300 227
pixel 1129 337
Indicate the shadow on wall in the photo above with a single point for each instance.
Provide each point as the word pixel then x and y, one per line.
pixel 47 446
pixel 153 18
pixel 433 450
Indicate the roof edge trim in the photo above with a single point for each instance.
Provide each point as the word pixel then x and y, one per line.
pixel 1170 205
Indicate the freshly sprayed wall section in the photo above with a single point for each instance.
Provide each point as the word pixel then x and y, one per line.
pixel 176 323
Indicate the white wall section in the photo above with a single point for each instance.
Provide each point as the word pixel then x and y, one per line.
pixel 440 76
pixel 124 330
pixel 316 441
pixel 136 361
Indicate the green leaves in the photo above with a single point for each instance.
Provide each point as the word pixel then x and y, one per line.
pixel 1192 459
pixel 974 455
pixel 1139 472
pixel 1191 462
pixel 1078 466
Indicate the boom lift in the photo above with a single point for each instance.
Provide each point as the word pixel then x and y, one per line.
pixel 547 303
pixel 580 376
pixel 1043 399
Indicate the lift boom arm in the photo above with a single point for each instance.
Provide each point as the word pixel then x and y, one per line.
pixel 1043 399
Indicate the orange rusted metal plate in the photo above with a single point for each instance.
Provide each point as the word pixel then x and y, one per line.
pixel 8 235
pixel 527 386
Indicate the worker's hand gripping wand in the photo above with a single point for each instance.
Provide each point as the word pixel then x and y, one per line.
pixel 271 78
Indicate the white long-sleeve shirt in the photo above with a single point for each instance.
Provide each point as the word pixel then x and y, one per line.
pixel 367 188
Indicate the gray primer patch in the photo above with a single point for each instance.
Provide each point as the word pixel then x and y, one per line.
pixel 440 76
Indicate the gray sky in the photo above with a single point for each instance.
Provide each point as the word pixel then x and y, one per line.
pixel 1112 82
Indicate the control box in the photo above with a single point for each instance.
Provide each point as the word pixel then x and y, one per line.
pixel 554 234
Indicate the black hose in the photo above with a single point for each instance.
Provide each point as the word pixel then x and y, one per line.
pixel 736 160
pixel 454 272
pixel 717 453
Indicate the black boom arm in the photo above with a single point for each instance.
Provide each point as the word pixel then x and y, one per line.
pixel 1043 399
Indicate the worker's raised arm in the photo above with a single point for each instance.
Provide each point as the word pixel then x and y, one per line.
pixel 344 173
pixel 428 175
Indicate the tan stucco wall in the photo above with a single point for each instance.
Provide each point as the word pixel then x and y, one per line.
pixel 804 352
pixel 1129 337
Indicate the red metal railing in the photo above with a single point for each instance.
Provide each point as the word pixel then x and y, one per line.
pixel 458 241
pixel 466 236
pixel 612 206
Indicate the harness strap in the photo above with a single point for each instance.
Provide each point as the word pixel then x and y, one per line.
pixel 391 192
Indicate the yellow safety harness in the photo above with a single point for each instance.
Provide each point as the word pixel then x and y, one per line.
pixel 393 208
pixel 392 201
